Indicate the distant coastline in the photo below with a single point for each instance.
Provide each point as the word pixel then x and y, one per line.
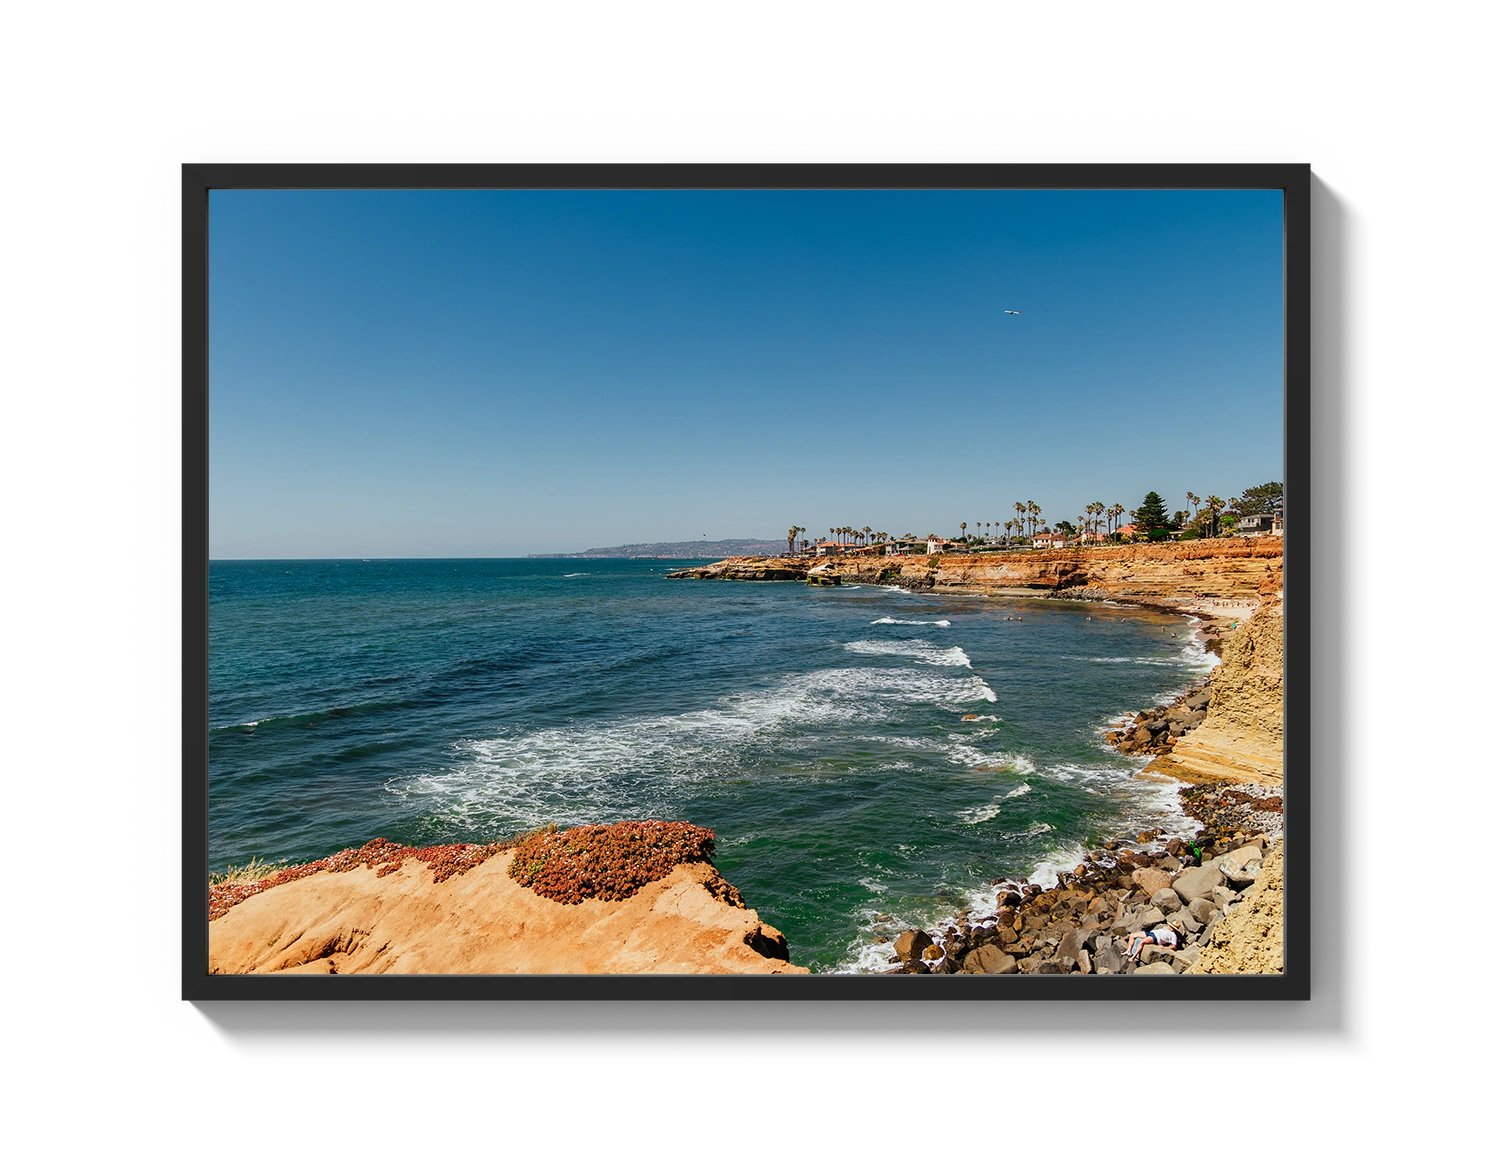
pixel 674 550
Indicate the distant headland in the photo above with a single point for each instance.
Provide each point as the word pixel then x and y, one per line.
pixel 676 550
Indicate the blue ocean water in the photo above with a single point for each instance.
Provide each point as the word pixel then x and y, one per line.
pixel 820 732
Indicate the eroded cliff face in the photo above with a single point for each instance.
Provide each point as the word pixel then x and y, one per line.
pixel 1240 740
pixel 1248 941
pixel 483 922
pixel 1225 569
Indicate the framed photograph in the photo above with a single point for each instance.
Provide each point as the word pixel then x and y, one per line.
pixel 745 582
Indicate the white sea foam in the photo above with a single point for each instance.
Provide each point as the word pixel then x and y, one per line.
pixel 1058 861
pixel 890 621
pixel 619 767
pixel 971 757
pixel 985 812
pixel 565 575
pixel 924 652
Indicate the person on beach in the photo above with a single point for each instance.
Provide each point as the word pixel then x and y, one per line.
pixel 1162 936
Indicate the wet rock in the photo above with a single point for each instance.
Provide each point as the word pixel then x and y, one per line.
pixel 989 960
pixel 915 967
pixel 911 944
pixel 932 953
pixel 1166 900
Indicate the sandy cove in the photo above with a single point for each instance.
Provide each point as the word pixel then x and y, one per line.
pixel 484 922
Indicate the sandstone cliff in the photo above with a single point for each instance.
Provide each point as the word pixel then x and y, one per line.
pixel 483 922
pixel 1240 740
pixel 1247 570
pixel 1248 941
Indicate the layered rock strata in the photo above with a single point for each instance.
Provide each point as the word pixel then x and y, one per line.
pixel 1240 737
pixel 1176 571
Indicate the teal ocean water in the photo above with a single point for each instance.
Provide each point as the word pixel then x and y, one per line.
pixel 819 732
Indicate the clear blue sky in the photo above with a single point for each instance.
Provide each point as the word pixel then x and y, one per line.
pixel 447 373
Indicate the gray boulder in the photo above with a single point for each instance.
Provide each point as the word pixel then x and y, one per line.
pixel 1107 960
pixel 1201 908
pixel 1198 702
pixel 1197 882
pixel 1166 900
pixel 1190 955
pixel 1241 857
pixel 1156 969
pixel 1073 944
pixel 1223 897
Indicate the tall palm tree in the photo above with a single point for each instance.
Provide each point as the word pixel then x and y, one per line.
pixel 963 526
pixel 1214 506
pixel 1033 509
pixel 1020 517
pixel 1193 502
pixel 1115 512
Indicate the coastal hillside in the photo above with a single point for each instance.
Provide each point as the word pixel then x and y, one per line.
pixel 417 916
pixel 1235 570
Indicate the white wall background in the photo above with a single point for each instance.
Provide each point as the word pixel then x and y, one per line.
pixel 86 86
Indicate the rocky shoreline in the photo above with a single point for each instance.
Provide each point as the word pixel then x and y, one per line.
pixel 1194 886
pixel 1220 890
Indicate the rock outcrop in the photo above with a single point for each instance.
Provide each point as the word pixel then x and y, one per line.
pixel 1240 738
pixel 483 922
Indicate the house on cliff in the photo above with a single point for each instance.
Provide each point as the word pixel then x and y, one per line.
pixel 1261 524
pixel 1049 540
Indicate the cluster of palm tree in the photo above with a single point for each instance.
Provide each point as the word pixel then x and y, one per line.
pixel 1100 516
pixel 846 534
pixel 1207 514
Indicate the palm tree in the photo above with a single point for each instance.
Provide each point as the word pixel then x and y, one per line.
pixel 1115 512
pixel 1020 517
pixel 1034 510
pixel 963 526
pixel 1193 502
pixel 1214 506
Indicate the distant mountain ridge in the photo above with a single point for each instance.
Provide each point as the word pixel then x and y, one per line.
pixel 671 550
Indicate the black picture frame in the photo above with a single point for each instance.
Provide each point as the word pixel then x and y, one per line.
pixel 1329 293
